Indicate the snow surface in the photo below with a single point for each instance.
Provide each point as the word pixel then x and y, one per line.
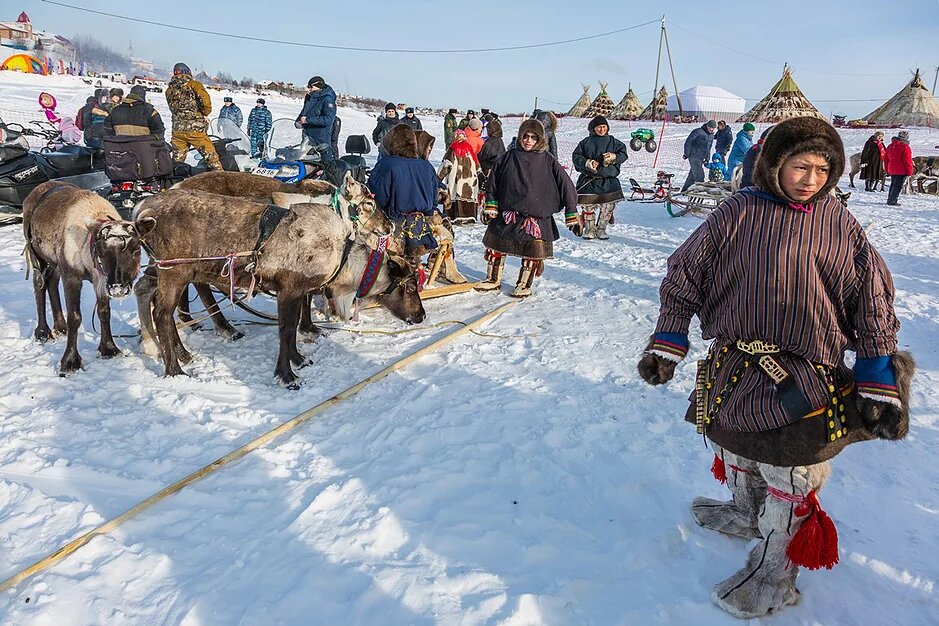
pixel 533 479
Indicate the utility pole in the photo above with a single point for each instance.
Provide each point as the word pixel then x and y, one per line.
pixel 935 80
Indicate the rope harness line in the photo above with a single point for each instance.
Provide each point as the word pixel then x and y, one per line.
pixel 235 455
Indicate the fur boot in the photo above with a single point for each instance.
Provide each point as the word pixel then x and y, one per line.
pixel 739 516
pixel 496 263
pixel 590 224
pixel 526 276
pixel 606 212
pixel 767 582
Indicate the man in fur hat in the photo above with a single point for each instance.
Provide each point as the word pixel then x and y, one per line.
pixel 526 188
pixel 784 280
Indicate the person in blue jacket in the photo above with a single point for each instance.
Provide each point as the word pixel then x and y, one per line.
pixel 230 111
pixel 742 145
pixel 405 187
pixel 717 171
pixel 259 124
pixel 318 114
pixel 697 149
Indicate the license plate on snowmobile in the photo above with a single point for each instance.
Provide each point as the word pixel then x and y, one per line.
pixel 265 171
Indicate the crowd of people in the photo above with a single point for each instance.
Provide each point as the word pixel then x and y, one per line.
pixel 773 394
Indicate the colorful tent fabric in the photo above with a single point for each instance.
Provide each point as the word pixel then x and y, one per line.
pixel 601 105
pixel 658 108
pixel 784 101
pixel 24 63
pixel 913 105
pixel 629 108
pixel 582 103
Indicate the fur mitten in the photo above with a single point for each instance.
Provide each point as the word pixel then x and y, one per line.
pixel 664 352
pixel 888 418
pixel 655 370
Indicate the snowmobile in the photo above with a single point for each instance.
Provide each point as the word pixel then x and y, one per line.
pixel 290 157
pixel 230 143
pixel 22 169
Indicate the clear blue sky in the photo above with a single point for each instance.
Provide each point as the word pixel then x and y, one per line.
pixel 880 39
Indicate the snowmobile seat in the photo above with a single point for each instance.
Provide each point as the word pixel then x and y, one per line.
pixel 356 146
pixel 70 160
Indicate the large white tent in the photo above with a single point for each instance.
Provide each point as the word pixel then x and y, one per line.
pixel 708 103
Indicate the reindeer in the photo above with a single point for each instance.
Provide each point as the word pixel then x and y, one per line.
pixel 76 235
pixel 312 248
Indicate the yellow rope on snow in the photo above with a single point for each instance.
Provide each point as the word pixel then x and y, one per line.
pixel 74 545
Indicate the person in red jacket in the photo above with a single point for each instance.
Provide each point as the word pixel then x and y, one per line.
pixel 899 164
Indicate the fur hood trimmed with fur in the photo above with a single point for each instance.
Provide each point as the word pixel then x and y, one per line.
pixel 425 142
pixel 797 136
pixel 534 126
pixel 401 141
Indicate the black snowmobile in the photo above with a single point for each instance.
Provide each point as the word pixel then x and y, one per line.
pixel 22 169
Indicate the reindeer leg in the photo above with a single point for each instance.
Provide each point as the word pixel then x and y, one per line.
pixel 58 319
pixel 222 327
pixel 106 347
pixel 165 302
pixel 288 316
pixel 145 290
pixel 306 316
pixel 40 286
pixel 72 360
pixel 184 314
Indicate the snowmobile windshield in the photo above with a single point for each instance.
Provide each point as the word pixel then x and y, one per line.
pixel 285 142
pixel 227 129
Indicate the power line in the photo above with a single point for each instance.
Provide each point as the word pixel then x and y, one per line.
pixel 759 58
pixel 347 48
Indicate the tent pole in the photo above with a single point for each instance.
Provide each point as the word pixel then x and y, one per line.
pixel 672 68
pixel 935 80
pixel 658 62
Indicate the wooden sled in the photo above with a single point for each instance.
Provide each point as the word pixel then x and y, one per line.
pixel 699 200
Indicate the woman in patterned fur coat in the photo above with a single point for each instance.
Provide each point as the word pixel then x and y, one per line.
pixel 784 280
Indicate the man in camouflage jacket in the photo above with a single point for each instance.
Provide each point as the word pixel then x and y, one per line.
pixel 190 106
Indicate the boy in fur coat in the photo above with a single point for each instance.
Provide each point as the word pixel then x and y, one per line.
pixel 783 280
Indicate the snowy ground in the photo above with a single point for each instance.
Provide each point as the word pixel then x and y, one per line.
pixel 525 480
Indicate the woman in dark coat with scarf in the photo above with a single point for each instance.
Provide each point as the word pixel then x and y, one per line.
pixel 492 150
pixel 527 186
pixel 872 161
pixel 598 159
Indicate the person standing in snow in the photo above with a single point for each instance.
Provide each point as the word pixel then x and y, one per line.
pixel 409 119
pixel 598 158
pixel 260 122
pixel 717 171
pixel 474 134
pixel 190 106
pixel 83 118
pixel 405 187
pixel 899 164
pixel 698 152
pixel 230 111
pixel 526 188
pixel 723 139
pixel 449 126
pixel 773 395
pixel 550 122
pixel 872 160
pixel 742 145
pixel 749 162
pixel 491 152
pixel 385 123
pixel 470 115
pixel 460 171
pixel 318 114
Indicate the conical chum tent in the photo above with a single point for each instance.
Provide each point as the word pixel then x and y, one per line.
pixel 629 108
pixel 580 107
pixel 784 101
pixel 657 108
pixel 601 105
pixel 912 106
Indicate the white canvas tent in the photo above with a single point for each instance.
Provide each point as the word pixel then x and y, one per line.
pixel 708 103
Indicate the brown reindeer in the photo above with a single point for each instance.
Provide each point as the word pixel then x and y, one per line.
pixel 312 248
pixel 76 235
